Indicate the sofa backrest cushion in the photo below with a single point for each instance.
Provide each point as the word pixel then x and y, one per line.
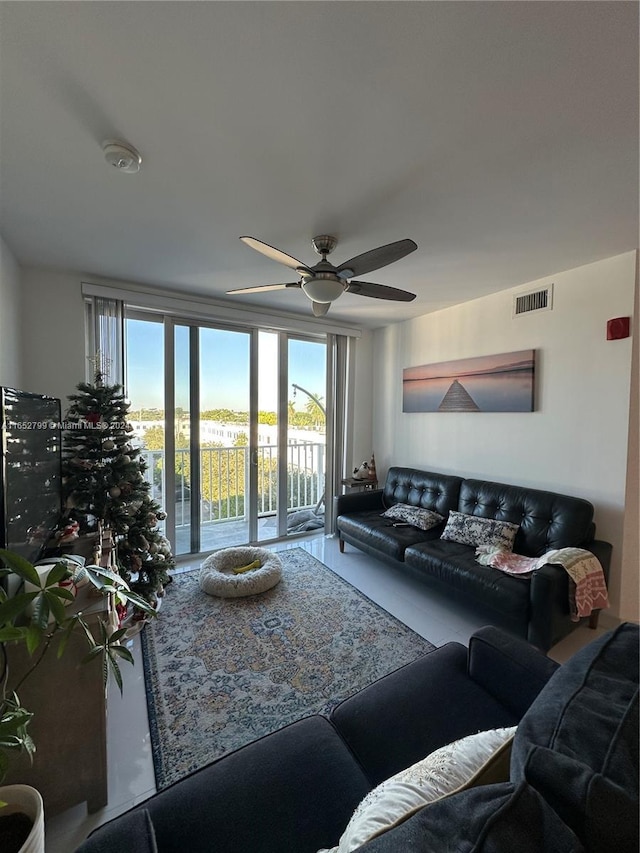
pixel 438 492
pixel 578 742
pixel 487 819
pixel 546 520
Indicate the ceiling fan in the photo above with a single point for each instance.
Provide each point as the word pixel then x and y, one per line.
pixel 324 282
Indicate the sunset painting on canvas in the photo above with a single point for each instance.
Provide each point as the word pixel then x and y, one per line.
pixel 490 383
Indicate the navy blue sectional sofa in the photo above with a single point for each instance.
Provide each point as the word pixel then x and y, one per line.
pixel 536 609
pixel 572 784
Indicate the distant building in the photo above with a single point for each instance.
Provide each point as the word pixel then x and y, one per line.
pixel 226 434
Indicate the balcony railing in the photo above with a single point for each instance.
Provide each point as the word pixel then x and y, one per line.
pixel 224 477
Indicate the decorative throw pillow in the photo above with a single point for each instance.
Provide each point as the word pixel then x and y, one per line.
pixel 423 519
pixel 480 759
pixel 475 530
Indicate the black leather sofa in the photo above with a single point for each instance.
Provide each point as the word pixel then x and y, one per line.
pixel 572 785
pixel 538 608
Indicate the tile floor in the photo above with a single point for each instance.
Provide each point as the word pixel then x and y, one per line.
pixel 130 767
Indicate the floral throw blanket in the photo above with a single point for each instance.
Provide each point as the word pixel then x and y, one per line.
pixel 588 589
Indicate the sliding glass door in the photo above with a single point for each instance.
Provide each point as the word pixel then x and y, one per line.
pixel 212 417
pixel 291 449
pixel 306 435
pixel 233 429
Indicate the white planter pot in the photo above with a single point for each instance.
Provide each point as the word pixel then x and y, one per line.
pixel 23 798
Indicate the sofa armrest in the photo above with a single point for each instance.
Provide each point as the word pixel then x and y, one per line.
pixel 549 606
pixel 602 550
pixel 508 668
pixel 132 831
pixel 364 501
pixel 292 790
pixel 549 597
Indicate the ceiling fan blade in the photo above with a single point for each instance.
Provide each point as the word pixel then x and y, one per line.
pixel 275 254
pixel 379 291
pixel 320 308
pixel 264 287
pixel 377 258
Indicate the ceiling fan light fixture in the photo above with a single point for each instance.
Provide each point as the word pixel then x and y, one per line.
pixel 122 156
pixel 323 282
pixel 323 289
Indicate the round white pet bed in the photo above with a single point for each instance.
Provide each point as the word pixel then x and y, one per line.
pixel 218 578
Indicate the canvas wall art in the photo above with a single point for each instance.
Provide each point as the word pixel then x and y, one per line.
pixel 490 383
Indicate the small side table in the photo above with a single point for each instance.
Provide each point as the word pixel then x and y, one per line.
pixel 368 484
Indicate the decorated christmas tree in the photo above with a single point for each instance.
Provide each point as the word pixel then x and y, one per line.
pixel 104 485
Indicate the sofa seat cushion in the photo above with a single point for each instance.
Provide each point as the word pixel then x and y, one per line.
pixel 578 742
pixel 372 529
pixel 455 564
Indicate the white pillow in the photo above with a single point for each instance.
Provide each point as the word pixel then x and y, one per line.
pixel 482 758
pixel 416 516
pixel 479 531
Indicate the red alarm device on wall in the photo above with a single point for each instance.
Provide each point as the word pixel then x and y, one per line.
pixel 618 328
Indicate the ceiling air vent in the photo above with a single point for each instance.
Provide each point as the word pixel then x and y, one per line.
pixel 535 300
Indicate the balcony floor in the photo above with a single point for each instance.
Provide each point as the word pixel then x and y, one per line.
pixel 226 534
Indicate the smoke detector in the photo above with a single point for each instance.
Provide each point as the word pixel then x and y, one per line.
pixel 122 156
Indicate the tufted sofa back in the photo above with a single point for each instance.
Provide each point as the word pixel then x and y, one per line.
pixel 438 492
pixel 547 520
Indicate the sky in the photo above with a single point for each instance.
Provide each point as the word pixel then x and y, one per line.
pixel 224 360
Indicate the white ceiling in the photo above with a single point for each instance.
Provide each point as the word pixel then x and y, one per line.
pixel 501 136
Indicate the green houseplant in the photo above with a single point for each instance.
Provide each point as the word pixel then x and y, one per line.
pixel 33 617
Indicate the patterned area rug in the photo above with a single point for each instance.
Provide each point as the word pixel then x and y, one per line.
pixel 221 672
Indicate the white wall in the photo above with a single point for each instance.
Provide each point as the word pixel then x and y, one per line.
pixel 630 575
pixel 576 440
pixel 53 359
pixel 10 310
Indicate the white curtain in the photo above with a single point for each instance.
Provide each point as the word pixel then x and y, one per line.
pixel 104 339
pixel 339 416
